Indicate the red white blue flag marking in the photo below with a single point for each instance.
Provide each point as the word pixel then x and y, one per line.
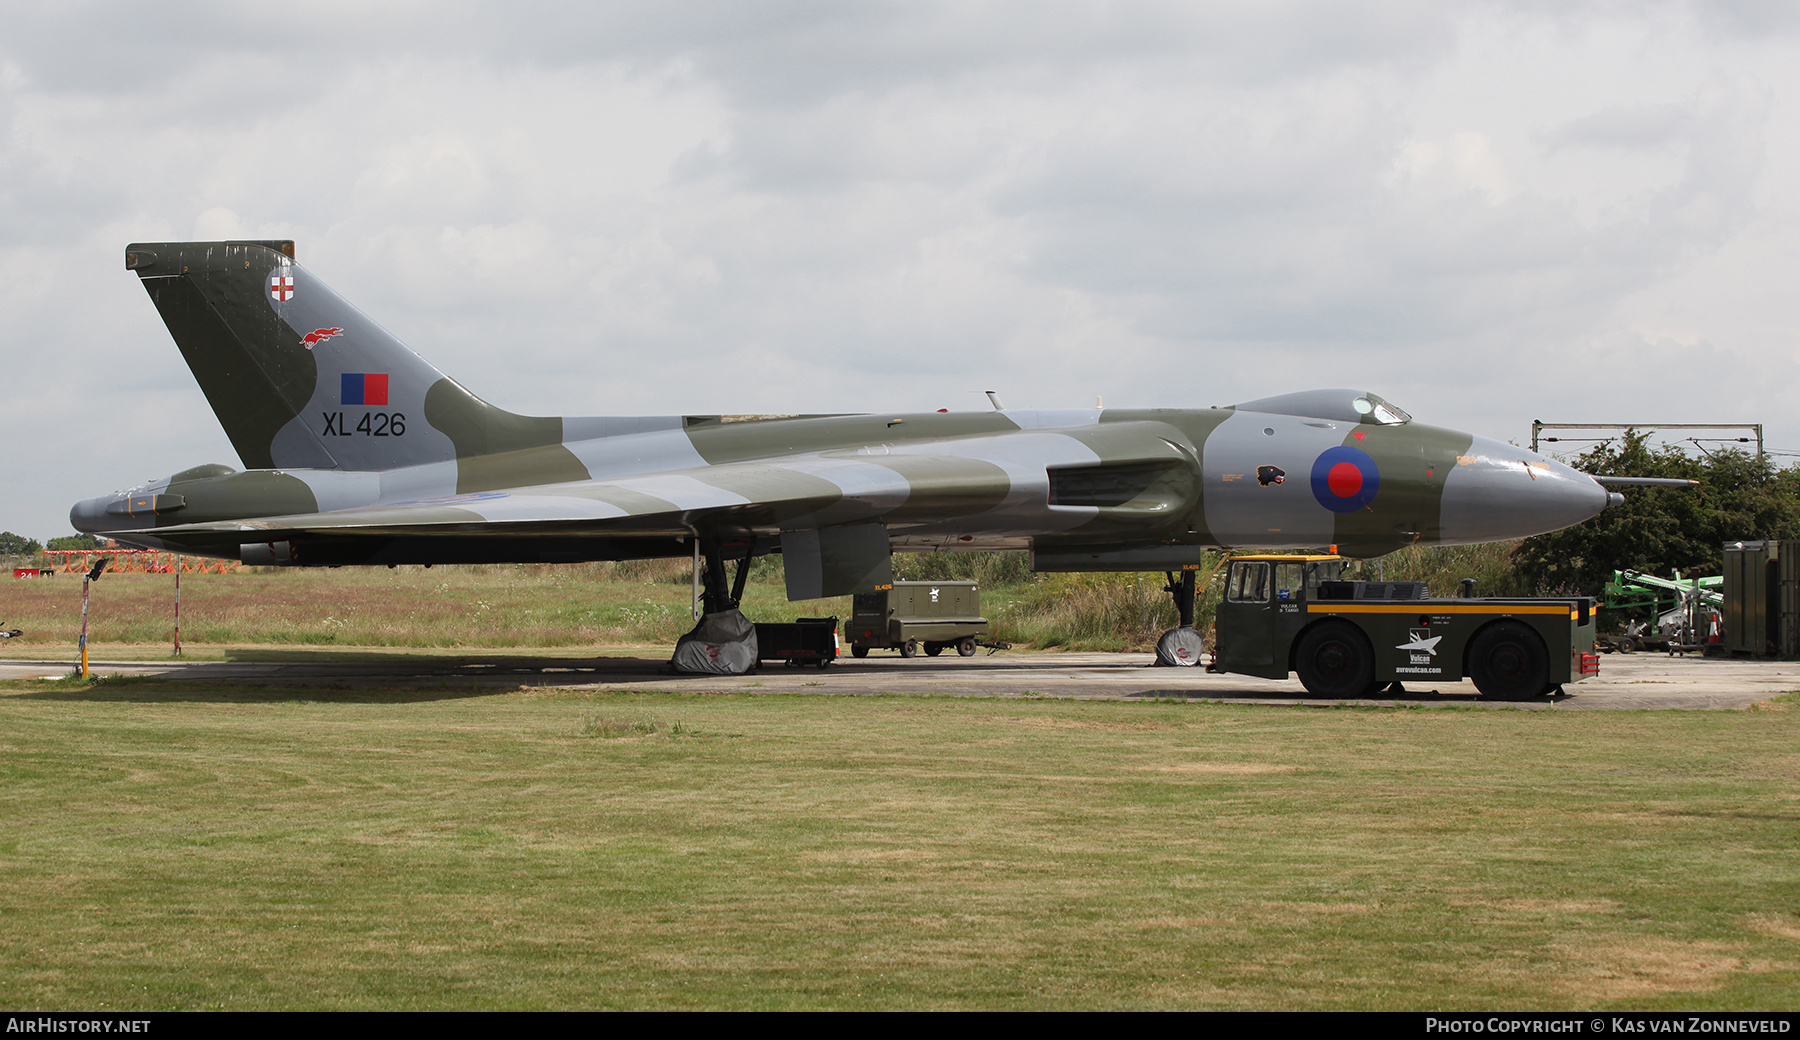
pixel 1345 479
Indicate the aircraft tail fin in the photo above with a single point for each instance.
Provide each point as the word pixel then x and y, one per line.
pixel 300 378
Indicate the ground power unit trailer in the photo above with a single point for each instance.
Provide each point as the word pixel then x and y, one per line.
pixel 910 616
pixel 1283 614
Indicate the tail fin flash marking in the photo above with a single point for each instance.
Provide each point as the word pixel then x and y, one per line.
pixel 365 388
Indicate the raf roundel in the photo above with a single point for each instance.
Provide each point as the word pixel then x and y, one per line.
pixel 1345 479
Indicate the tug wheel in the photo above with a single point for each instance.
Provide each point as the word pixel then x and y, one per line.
pixel 1508 662
pixel 1334 659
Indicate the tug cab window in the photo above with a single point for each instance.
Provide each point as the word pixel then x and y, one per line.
pixel 1249 583
pixel 1322 570
pixel 1288 579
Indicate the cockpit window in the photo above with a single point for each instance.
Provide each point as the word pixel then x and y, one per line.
pixel 1374 409
pixel 1341 405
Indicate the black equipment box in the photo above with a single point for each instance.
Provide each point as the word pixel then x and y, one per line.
pixel 804 641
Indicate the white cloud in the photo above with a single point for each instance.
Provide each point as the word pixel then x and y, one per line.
pixel 1464 162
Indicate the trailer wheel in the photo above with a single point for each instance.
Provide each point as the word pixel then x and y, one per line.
pixel 966 647
pixel 1508 662
pixel 1334 660
pixel 857 650
pixel 933 649
pixel 910 648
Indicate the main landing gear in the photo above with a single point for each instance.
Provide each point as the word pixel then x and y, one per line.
pixel 724 642
pixel 1181 647
pixel 717 595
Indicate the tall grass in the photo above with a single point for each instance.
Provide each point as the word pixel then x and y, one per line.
pixel 988 569
pixel 540 605
pixel 1102 611
pixel 1089 612
pixel 1442 567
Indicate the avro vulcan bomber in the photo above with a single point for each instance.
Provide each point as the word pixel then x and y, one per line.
pixel 356 451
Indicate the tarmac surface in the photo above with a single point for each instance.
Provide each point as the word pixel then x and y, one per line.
pixel 1631 681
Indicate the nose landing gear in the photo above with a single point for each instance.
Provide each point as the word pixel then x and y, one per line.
pixel 1181 647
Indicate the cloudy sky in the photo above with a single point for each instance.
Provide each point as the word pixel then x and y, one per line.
pixel 1486 212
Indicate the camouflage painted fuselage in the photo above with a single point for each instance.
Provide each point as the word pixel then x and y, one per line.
pixel 360 452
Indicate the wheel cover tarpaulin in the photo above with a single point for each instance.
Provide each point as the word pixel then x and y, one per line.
pixel 723 643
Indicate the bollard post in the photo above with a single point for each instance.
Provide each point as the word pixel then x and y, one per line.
pixel 87 579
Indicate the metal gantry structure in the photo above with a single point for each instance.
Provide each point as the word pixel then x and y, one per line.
pixel 1756 430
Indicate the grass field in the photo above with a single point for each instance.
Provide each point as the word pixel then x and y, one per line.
pixel 207 847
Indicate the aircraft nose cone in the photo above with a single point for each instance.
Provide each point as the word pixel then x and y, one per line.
pixel 1498 492
pixel 90 516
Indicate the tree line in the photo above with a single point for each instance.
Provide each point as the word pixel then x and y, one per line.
pixel 18 545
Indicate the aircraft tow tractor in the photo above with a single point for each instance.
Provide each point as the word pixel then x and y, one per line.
pixel 1284 614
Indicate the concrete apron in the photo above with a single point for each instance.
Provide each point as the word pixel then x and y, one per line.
pixel 1625 681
